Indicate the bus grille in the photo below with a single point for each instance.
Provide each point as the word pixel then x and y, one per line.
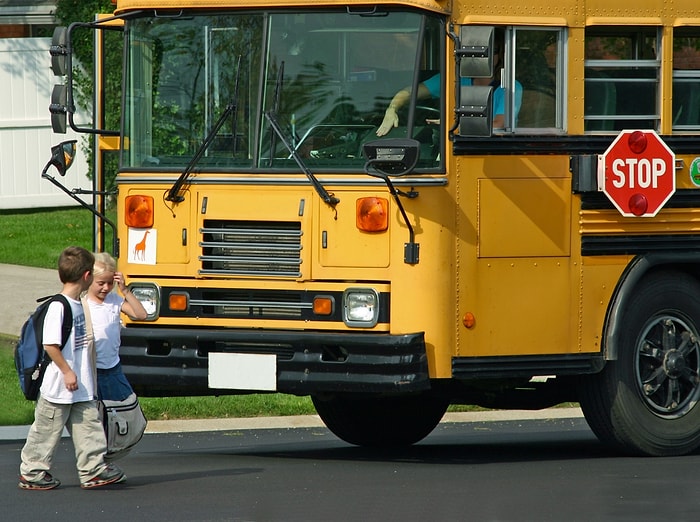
pixel 251 248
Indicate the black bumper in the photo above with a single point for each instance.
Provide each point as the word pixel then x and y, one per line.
pixel 174 361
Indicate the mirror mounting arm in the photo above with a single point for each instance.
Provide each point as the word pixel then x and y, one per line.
pixel 62 156
pixel 395 157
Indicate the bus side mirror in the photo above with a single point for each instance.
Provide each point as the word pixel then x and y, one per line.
pixel 62 156
pixel 475 110
pixel 476 51
pixel 59 51
pixel 392 156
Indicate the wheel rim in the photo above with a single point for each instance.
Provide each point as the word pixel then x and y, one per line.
pixel 668 366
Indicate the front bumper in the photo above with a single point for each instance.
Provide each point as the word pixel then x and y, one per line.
pixel 174 361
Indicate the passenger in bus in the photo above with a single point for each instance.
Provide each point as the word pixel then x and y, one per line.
pixel 430 88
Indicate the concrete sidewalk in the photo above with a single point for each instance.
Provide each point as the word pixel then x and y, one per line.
pixel 21 287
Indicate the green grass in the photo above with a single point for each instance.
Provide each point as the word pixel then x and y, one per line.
pixel 16 410
pixel 36 237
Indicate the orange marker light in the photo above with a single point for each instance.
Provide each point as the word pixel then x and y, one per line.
pixel 177 302
pixel 323 305
pixel 139 211
pixel 469 320
pixel 372 214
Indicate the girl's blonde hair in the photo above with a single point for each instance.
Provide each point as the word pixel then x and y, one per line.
pixel 104 263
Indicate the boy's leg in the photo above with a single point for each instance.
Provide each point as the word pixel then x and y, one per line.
pixel 88 436
pixel 42 440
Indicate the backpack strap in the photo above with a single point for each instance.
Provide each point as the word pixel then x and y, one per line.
pixel 67 316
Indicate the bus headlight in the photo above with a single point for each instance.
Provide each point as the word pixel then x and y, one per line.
pixel 149 295
pixel 360 307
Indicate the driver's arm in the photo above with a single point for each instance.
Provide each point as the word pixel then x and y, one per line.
pixel 401 98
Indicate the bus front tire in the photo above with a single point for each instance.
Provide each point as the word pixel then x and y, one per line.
pixel 378 421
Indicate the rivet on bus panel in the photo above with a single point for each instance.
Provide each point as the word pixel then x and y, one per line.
pixel 469 320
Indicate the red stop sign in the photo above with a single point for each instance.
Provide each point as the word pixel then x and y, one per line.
pixel 638 173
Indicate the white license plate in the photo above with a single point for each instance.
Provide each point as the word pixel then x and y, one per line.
pixel 243 371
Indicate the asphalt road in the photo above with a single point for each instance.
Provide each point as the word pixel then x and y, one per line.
pixel 525 470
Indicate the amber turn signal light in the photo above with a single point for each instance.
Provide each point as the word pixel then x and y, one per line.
pixel 138 211
pixel 323 305
pixel 177 302
pixel 372 214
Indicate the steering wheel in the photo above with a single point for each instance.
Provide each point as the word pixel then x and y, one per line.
pixel 425 112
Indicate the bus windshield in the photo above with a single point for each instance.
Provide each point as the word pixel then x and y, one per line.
pixel 327 77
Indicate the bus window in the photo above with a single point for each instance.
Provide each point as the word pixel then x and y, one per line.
pixel 539 69
pixel 329 84
pixel 622 67
pixel 527 87
pixel 686 79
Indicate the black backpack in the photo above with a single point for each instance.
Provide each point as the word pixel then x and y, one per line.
pixel 31 359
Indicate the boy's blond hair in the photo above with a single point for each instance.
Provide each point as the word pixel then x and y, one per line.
pixel 73 262
pixel 104 263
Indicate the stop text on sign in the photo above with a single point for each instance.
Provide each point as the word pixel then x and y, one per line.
pixel 633 173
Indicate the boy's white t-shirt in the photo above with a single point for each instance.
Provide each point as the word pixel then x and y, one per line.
pixel 106 326
pixel 75 352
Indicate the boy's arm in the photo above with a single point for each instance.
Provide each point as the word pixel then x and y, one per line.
pixel 70 379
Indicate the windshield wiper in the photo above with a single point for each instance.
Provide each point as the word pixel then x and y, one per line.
pixel 230 110
pixel 328 198
pixel 271 117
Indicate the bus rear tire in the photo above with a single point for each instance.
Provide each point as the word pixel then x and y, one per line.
pixel 378 421
pixel 646 401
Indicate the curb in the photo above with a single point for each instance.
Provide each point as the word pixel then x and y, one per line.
pixel 312 421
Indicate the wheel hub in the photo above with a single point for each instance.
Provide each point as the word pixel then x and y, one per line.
pixel 674 364
pixel 668 366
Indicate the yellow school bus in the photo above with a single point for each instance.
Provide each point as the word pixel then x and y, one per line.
pixel 398 206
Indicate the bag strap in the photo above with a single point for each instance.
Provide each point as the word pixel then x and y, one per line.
pixel 91 338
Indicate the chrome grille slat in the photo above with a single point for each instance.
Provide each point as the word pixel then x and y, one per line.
pixel 251 260
pixel 251 248
pixel 250 304
pixel 243 246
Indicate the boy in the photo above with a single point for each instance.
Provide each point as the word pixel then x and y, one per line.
pixel 68 391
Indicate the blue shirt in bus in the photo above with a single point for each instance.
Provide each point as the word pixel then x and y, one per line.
pixel 499 93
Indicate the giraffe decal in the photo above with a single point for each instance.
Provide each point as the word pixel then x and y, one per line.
pixel 142 246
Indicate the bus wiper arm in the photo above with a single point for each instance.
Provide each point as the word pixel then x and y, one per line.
pixel 327 198
pixel 174 192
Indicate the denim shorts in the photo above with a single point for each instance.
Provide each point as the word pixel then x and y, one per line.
pixel 112 384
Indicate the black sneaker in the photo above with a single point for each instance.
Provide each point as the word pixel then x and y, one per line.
pixel 45 482
pixel 110 475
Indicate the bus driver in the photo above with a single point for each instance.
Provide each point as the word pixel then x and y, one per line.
pixel 430 88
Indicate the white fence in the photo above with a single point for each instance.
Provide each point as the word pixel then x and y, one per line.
pixel 26 137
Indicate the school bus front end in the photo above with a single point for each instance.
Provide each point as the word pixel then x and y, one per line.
pixel 256 271
pixel 281 245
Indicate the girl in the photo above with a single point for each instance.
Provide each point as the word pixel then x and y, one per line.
pixel 105 306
